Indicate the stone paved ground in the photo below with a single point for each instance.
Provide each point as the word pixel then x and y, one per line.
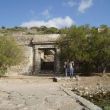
pixel 35 93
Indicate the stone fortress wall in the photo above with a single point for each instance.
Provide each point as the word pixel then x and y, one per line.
pixel 31 61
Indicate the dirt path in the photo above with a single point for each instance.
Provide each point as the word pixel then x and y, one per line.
pixel 32 93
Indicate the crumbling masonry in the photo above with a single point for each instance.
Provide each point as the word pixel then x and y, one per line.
pixel 41 55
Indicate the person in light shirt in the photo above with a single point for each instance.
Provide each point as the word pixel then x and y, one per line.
pixel 71 68
pixel 66 67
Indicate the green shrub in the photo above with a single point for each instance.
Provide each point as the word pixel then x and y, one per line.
pixel 10 53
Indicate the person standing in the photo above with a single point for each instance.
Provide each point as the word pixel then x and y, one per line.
pixel 71 68
pixel 65 67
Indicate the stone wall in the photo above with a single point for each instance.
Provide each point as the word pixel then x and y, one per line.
pixel 31 62
pixel 26 65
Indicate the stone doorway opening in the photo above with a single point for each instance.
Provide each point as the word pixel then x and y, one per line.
pixel 47 57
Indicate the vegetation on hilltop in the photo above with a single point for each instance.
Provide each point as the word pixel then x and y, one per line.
pixel 31 31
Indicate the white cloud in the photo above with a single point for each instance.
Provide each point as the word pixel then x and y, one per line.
pixel 46 13
pixel 81 5
pixel 55 22
pixel 84 4
pixel 70 3
pixel 32 12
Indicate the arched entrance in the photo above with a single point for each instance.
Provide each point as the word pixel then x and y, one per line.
pixel 45 58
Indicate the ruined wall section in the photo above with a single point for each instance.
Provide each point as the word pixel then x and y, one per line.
pixel 26 67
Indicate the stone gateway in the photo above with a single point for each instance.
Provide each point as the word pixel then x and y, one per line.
pixel 41 55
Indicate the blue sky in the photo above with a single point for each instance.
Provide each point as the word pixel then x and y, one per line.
pixel 57 13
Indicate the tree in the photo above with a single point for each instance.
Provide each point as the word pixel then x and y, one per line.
pixel 74 45
pixel 3 27
pixel 10 53
pixel 86 46
pixel 101 49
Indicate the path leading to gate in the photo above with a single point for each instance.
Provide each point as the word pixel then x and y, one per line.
pixel 35 93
